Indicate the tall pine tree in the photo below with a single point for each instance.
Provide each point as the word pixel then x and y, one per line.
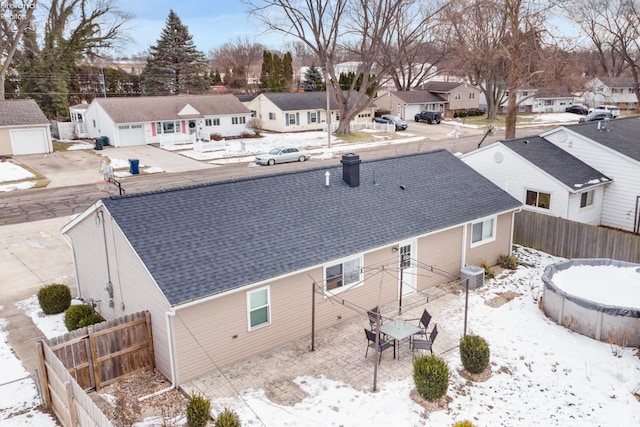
pixel 174 65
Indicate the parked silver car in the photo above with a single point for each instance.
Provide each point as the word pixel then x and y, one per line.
pixel 282 155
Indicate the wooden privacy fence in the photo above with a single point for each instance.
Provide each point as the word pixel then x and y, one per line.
pixel 570 239
pixel 91 358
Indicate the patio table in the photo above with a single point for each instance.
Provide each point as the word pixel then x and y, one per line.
pixel 399 329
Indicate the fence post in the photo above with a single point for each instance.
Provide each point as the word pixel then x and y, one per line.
pixel 94 358
pixel 73 415
pixel 44 378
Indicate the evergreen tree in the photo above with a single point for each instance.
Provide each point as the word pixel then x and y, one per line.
pixel 215 78
pixel 267 65
pixel 287 72
pixel 313 79
pixel 174 65
pixel 275 77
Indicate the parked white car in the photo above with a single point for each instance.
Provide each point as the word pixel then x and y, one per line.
pixel 282 155
pixel 611 109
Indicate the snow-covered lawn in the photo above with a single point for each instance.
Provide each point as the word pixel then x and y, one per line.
pixel 542 373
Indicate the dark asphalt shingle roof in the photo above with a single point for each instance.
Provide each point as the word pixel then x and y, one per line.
pixel 294 101
pixel 620 135
pixel 207 239
pixel 21 112
pixel 556 162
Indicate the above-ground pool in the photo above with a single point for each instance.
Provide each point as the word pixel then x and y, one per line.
pixel 598 298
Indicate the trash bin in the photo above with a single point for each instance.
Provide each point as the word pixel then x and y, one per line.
pixel 105 140
pixel 98 143
pixel 134 166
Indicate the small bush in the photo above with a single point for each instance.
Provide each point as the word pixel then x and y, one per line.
pixel 215 137
pixel 431 377
pixel 54 298
pixel 489 271
pixel 465 423
pixel 79 316
pixel 227 418
pixel 474 353
pixel 508 261
pixel 198 410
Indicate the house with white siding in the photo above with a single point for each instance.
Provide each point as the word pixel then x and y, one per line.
pixel 611 147
pixel 231 269
pixel 299 111
pixel 128 121
pixel 619 91
pixel 543 177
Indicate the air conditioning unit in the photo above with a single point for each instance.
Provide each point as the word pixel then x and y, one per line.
pixel 474 273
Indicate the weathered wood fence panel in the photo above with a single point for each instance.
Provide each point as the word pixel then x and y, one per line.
pixel 570 239
pixel 69 402
pixel 100 354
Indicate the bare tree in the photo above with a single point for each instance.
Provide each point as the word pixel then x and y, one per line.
pixel 363 29
pixel 241 58
pixel 614 29
pixel 13 25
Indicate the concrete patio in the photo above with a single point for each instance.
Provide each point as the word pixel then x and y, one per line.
pixel 339 355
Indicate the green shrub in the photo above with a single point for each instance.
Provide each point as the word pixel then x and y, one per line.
pixel 79 316
pixel 431 377
pixel 465 423
pixel 227 418
pixel 508 261
pixel 474 353
pixel 54 298
pixel 489 271
pixel 198 410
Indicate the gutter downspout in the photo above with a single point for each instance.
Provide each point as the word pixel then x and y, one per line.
pixel 168 314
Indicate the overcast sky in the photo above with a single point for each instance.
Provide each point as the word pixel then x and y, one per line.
pixel 211 23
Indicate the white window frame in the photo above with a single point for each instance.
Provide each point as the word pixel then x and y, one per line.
pixel 353 281
pixel 472 95
pixel 238 120
pixel 160 127
pixel 251 309
pixel 457 96
pixel 587 199
pixel 488 230
pixel 272 116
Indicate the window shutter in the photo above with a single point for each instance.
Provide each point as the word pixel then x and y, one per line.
pixel 297 118
pixel 183 125
pixel 153 128
pixel 308 117
pixel 286 119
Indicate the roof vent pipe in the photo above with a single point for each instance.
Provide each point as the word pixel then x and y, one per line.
pixel 327 175
pixel 351 169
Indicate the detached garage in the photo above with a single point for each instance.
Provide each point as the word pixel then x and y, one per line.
pixel 24 129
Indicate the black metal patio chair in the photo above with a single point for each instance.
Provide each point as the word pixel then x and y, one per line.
pixel 382 344
pixel 418 344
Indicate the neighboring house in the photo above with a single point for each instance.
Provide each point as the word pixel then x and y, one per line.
pixel 128 121
pixel 543 177
pixel 299 111
pixel 24 129
pixel 552 100
pixel 458 96
pixel 406 104
pixel 611 90
pixel 232 269
pixel 611 147
pixel 77 113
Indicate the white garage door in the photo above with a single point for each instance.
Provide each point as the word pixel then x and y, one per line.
pixel 131 135
pixel 28 141
pixel 411 111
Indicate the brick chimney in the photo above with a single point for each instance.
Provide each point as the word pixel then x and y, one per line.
pixel 351 169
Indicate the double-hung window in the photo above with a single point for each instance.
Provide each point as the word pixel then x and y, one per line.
pixel 344 274
pixel 167 127
pixel 586 198
pixel 258 308
pixel 538 199
pixel 483 231
pixel 238 120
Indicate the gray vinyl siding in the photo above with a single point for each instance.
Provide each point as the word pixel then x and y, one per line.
pixel 489 252
pixel 129 278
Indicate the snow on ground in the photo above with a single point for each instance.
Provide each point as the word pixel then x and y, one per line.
pixel 542 373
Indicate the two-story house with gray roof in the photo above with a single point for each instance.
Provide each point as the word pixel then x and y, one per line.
pixel 232 269
pixel 129 121
pixel 545 178
pixel 618 91
pixel 24 129
pixel 299 111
